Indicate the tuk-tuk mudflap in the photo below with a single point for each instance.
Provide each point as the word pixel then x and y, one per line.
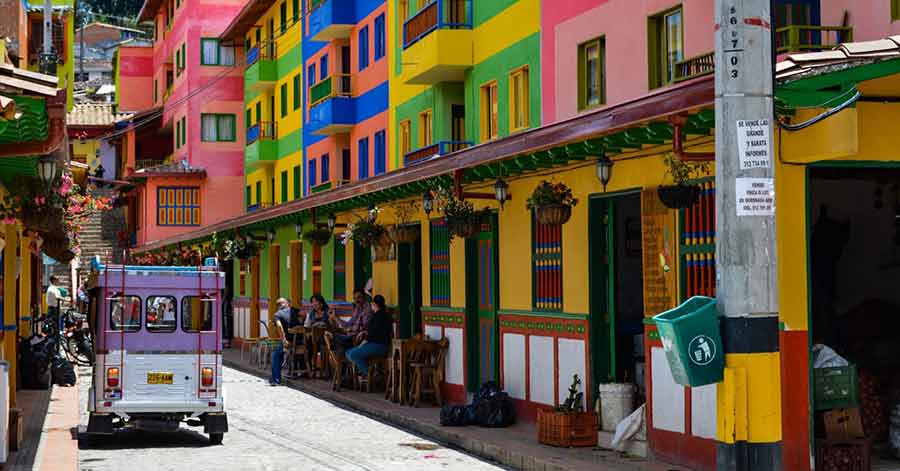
pixel 215 422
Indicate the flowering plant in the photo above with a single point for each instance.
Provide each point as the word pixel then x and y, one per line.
pixel 57 211
pixel 367 231
pixel 550 193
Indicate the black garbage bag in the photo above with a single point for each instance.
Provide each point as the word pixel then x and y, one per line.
pixel 488 390
pixel 453 416
pixel 496 411
pixel 36 353
pixel 62 371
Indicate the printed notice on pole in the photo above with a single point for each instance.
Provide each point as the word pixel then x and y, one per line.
pixel 753 143
pixel 755 196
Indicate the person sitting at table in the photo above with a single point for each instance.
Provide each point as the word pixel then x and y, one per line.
pixel 377 337
pixel 321 315
pixel 358 323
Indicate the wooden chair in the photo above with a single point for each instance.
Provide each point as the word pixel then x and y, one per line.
pixel 428 375
pixel 297 351
pixel 377 366
pixel 392 375
pixel 337 362
pixel 417 352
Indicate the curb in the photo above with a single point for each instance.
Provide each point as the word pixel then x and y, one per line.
pixel 479 448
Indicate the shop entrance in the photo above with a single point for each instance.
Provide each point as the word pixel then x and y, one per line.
pixel 854 269
pixel 617 290
pixel 482 302
pixel 409 275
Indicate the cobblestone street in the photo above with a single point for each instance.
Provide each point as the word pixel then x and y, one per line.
pixel 274 428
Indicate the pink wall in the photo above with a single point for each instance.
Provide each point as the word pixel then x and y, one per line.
pixel 135 78
pixel 223 161
pixel 623 23
pixel 377 71
pixel 870 19
pixel 364 129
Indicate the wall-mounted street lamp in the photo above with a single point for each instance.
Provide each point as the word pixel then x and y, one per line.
pixel 604 170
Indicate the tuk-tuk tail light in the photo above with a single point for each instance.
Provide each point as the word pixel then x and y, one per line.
pixel 112 377
pixel 206 376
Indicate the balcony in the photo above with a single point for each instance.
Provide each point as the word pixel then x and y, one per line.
pixel 437 43
pixel 258 206
pixel 331 19
pixel 261 72
pixel 332 108
pixel 697 66
pixel 434 150
pixel 807 38
pixel 262 145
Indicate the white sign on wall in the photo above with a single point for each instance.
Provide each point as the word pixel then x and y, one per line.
pixel 304 267
pixel 755 196
pixel 288 260
pixel 753 143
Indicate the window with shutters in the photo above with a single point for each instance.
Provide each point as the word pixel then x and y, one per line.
pixel 489 111
pixel 217 127
pixel 546 266
pixel 178 206
pixel 284 100
pixel 284 186
pixel 404 138
pixel 297 82
pixel 591 74
pixel 518 99
pixel 698 244
pixel 666 46
pixel 425 128
pixel 379 37
pixel 440 262
pixel 297 184
pixel 380 151
pixel 363 158
pixel 363 47
pixel 311 172
pixel 326 167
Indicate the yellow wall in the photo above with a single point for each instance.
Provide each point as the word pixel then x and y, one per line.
pixel 89 148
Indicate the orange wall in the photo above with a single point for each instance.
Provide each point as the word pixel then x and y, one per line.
pixel 135 88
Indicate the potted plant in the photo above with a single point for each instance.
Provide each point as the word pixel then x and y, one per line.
pixel 682 194
pixel 568 425
pixel 552 203
pixel 317 236
pixel 366 231
pixel 462 219
pixel 403 232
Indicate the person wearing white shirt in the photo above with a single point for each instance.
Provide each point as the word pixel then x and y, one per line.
pixel 54 296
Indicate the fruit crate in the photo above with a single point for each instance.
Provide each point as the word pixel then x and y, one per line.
pixel 572 429
pixel 835 387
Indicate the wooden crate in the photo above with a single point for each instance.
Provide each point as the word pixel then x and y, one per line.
pixel 567 429
pixel 844 455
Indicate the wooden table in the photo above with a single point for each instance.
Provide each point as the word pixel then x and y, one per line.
pixel 398 364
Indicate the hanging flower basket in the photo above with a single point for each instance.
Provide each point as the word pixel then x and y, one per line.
pixel 366 233
pixel 553 214
pixel 58 249
pixel 465 227
pixel 318 236
pixel 384 250
pixel 48 219
pixel 405 234
pixel 678 196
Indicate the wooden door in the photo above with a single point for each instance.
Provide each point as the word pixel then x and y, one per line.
pixel 274 272
pixel 482 262
pixel 296 268
pixel 409 276
pixel 254 296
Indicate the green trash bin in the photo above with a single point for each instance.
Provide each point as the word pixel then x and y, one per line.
pixel 691 339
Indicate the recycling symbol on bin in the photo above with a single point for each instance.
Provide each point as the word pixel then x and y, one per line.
pixel 702 350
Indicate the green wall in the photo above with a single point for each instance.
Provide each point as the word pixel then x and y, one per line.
pixel 498 67
pixel 439 98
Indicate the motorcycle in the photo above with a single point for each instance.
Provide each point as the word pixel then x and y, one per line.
pixel 77 339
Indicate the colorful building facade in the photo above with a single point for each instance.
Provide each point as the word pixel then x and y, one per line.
pixel 184 152
pixel 522 92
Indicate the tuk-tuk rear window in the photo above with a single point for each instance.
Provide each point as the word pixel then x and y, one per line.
pixel 125 313
pixel 196 313
pixel 161 314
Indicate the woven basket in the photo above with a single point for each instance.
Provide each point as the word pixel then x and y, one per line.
pixel 678 196
pixel 465 228
pixel 48 220
pixel 572 429
pixel 553 214
pixel 405 234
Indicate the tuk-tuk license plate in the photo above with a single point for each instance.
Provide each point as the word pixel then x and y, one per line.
pixel 159 378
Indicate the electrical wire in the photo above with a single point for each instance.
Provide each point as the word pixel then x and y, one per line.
pixel 822 116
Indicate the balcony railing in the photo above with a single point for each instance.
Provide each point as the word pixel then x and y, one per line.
pixel 258 206
pixel 439 14
pixel 696 66
pixel 434 150
pixel 147 163
pixel 313 4
pixel 326 88
pixel 261 130
pixel 264 50
pixel 807 38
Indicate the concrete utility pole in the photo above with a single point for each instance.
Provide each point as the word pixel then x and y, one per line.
pixel 746 263
pixel 47 52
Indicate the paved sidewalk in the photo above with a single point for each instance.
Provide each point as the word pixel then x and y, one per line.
pixel 49 418
pixel 515 446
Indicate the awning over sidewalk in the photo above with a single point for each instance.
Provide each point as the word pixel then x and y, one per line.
pixel 607 131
